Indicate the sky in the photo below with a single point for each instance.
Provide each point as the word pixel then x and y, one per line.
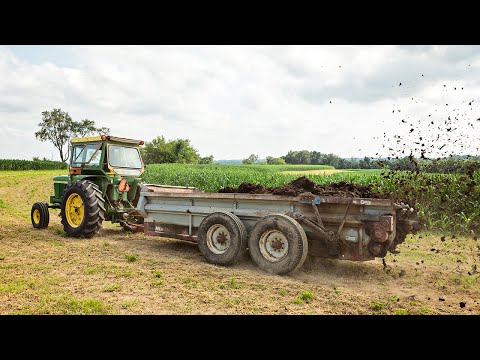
pixel 232 101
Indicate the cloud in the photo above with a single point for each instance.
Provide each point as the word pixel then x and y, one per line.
pixel 231 101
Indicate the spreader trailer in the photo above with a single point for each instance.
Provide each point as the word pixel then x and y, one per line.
pixel 104 183
pixel 278 231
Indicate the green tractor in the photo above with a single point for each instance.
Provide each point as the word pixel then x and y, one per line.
pixel 103 184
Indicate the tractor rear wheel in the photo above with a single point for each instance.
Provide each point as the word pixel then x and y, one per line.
pixel 39 215
pixel 83 209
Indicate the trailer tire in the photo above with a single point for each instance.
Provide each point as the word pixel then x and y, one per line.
pixel 83 209
pixel 278 244
pixel 39 215
pixel 222 238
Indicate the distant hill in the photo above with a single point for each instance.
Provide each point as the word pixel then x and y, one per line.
pixel 228 162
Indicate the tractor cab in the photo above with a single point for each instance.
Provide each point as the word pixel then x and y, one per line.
pixel 105 155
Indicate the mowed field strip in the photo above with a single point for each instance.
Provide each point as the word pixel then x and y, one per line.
pixel 314 172
pixel 45 272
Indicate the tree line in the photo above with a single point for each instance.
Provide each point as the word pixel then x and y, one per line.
pixel 317 158
pixel 448 165
pixel 305 157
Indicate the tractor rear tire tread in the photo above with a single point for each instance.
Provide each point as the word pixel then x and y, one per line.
pixel 94 207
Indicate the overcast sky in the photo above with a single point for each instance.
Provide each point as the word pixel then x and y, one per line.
pixel 231 101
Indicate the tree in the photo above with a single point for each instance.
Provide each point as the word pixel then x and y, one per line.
pixel 206 160
pixel 291 157
pixel 252 159
pixel 317 158
pixel 86 127
pixel 304 157
pixel 155 151
pixel 159 151
pixel 342 164
pixel 365 163
pixel 297 157
pixel 275 161
pixel 58 128
pixel 184 152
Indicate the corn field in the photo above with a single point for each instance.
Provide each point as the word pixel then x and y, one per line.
pixel 7 164
pixel 213 177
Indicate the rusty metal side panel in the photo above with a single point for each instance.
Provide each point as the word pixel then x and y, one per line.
pixel 170 231
pixel 168 189
pixel 193 195
pixel 356 201
pixel 265 206
pixel 269 197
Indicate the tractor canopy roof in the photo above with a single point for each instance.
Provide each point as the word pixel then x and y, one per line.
pixel 108 138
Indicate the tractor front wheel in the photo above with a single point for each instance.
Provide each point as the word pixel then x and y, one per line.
pixel 39 215
pixel 83 209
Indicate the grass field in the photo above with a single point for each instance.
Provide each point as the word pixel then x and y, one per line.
pixel 44 272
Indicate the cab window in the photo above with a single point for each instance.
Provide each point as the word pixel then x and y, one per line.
pixel 86 155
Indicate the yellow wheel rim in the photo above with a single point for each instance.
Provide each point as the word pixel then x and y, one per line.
pixel 74 210
pixel 36 216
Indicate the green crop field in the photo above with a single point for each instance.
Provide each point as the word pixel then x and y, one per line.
pixel 8 164
pixel 213 177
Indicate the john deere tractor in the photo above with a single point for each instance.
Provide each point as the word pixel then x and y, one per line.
pixel 102 184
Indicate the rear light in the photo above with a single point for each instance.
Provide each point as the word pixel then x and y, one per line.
pixel 141 142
